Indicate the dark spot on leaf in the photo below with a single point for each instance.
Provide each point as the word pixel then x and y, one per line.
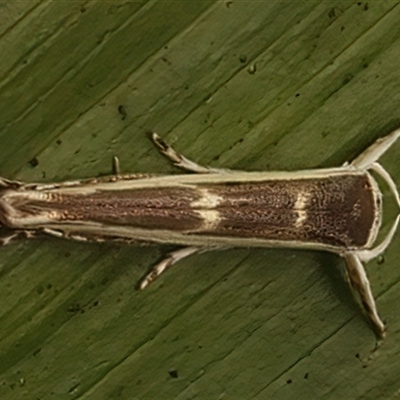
pixel 34 162
pixel 122 111
pixel 73 388
pixel 173 373
pixel 347 78
pixel 76 308
pixel 165 59
pixel 40 290
pixel 36 352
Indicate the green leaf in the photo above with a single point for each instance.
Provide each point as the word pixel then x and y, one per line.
pixel 234 84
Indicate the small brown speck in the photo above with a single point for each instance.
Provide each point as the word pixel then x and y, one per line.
pixel 122 111
pixel 76 308
pixel 34 162
pixel 173 373
pixel 165 59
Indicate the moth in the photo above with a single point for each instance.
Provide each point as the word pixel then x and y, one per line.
pixel 338 210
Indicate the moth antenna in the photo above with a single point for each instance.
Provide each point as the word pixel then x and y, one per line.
pixel 387 178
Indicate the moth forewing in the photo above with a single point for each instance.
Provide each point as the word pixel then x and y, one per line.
pixel 334 209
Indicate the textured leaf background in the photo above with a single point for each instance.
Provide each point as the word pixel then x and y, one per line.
pixel 240 84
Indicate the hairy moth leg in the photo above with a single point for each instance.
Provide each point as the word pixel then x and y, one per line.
pixel 359 280
pixel 167 262
pixel 116 170
pixel 17 235
pixel 181 161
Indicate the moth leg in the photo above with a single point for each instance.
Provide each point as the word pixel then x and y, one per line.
pixel 9 184
pixel 181 161
pixel 359 281
pixel 53 232
pixel 16 235
pixel 68 235
pixel 167 262
pixel 373 152
pixel 115 166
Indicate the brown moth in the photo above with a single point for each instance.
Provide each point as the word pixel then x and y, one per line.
pixel 333 209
